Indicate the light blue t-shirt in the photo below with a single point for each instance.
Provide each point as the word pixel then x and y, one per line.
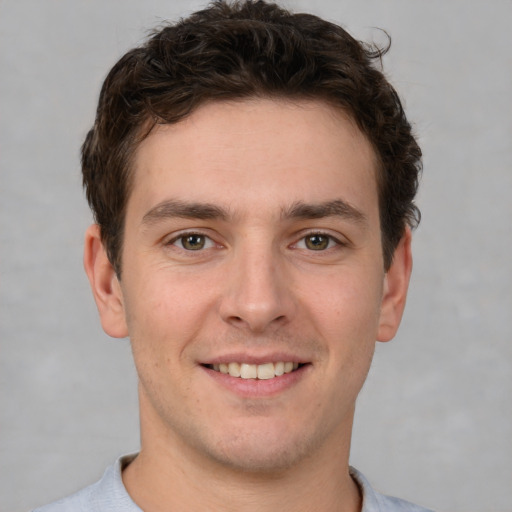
pixel 110 495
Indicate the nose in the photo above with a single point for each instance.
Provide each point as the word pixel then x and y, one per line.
pixel 257 294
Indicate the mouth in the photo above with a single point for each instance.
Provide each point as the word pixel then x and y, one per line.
pixel 263 371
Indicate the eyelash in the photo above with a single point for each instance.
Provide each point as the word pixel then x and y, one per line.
pixel 209 242
pixel 332 241
pixel 183 236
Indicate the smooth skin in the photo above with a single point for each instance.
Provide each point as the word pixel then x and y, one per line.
pixel 252 234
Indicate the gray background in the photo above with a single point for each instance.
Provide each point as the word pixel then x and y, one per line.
pixel 434 423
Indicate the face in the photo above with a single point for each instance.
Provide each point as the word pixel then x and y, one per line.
pixel 253 287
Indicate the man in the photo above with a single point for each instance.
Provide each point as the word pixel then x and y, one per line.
pixel 252 177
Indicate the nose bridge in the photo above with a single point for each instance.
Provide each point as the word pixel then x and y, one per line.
pixel 257 295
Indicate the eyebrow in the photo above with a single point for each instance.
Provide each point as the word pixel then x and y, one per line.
pixel 335 208
pixel 206 211
pixel 173 208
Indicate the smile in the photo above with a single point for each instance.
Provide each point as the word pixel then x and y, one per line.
pixel 255 371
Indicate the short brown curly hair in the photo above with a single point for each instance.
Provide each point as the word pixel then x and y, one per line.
pixel 234 51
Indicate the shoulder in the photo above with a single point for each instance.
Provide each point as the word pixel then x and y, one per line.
pixel 376 502
pixel 78 502
pixel 106 495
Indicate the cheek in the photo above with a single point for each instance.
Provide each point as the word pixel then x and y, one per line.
pixel 165 310
pixel 343 305
pixel 160 327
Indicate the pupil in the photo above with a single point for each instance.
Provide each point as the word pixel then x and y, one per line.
pixel 193 242
pixel 317 242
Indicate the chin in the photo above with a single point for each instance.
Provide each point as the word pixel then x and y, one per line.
pixel 262 451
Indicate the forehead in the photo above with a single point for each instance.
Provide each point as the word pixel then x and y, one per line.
pixel 236 153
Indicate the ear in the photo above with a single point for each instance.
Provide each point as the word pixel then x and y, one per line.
pixel 104 284
pixel 396 283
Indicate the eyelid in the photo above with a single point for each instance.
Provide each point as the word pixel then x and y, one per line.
pixel 338 240
pixel 175 237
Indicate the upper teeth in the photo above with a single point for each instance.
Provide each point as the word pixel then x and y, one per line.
pixel 256 371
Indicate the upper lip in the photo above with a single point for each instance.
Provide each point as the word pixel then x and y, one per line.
pixel 244 357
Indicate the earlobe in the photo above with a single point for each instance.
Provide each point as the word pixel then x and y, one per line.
pixel 396 283
pixel 104 284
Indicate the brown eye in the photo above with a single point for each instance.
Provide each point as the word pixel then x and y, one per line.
pixel 317 242
pixel 192 242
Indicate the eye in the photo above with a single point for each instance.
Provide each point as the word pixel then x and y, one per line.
pixel 193 242
pixel 317 242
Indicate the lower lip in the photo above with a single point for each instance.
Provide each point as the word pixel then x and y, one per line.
pixel 254 388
